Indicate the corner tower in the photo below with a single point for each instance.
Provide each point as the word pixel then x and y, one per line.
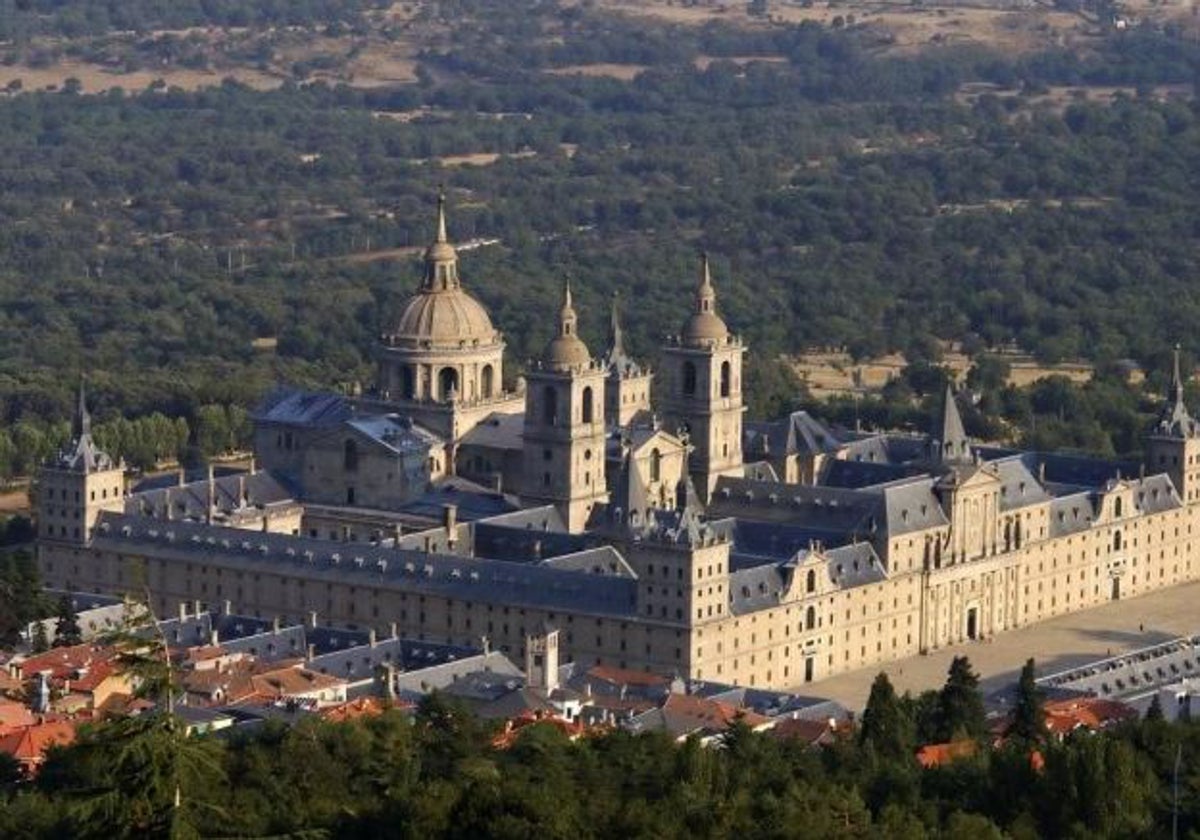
pixel 563 452
pixel 702 369
pixel 1173 446
pixel 74 487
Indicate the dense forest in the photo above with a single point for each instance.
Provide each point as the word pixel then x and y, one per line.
pixel 155 239
pixel 437 775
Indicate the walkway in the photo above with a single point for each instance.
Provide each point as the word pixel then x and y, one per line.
pixel 1056 645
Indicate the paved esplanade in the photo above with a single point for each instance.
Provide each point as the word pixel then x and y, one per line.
pixel 1056 644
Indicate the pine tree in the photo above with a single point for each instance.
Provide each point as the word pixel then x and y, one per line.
pixel 885 725
pixel 1029 718
pixel 1155 711
pixel 39 642
pixel 960 705
pixel 66 630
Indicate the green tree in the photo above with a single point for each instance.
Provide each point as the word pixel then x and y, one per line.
pixel 960 703
pixel 1029 716
pixel 886 727
pixel 66 629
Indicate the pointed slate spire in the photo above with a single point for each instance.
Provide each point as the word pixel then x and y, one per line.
pixel 616 339
pixel 953 446
pixel 83 419
pixel 1175 420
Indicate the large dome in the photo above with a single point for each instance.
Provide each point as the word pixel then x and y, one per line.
pixel 445 318
pixel 441 314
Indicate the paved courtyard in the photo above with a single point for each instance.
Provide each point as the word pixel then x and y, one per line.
pixel 1057 645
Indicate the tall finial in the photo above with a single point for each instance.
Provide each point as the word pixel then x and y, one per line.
pixel 441 215
pixel 1177 382
pixel 706 295
pixel 566 316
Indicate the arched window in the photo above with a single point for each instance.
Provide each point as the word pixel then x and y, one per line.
pixel 408 382
pixel 549 405
pixel 1008 535
pixel 447 382
pixel 812 581
pixel 486 381
pixel 1117 541
pixel 1117 507
pixel 689 379
pixel 810 618
pixel 588 407
pixel 350 456
pixel 726 376
pixel 655 465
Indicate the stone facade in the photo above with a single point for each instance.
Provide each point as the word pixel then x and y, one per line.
pixel 645 546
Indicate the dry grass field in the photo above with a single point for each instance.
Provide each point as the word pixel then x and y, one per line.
pixel 903 28
pixel 834 373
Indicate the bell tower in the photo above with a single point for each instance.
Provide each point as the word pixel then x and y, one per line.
pixel 702 369
pixel 1173 446
pixel 563 452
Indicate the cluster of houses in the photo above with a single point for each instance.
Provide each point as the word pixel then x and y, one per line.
pixel 234 671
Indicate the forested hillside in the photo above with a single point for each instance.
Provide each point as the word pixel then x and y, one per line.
pixel 191 248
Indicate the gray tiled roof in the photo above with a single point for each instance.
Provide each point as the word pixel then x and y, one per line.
pixel 475 579
pixel 291 407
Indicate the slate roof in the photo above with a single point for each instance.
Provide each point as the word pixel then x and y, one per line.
pixel 798 433
pixel 292 407
pixel 361 661
pixel 472 501
pixel 475 579
pixel 497 431
pixel 231 492
pixel 395 433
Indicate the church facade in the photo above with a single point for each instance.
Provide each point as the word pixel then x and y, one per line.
pixel 767 553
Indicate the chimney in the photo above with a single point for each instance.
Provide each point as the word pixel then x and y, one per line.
pixel 183 610
pixel 196 608
pixel 227 607
pixel 485 644
pixel 389 681
pixel 241 491
pixel 213 638
pixel 498 483
pixel 275 624
pixel 212 495
pixel 167 514
pixel 371 637
pixel 182 477
pixel 312 619
pixel 312 652
pixel 1041 472
pixel 266 523
pixel 252 469
pixel 450 523
pixel 394 635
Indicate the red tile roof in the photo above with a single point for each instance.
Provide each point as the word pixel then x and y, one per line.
pixel 939 755
pixel 28 744
pixel 625 676
pixel 1063 716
